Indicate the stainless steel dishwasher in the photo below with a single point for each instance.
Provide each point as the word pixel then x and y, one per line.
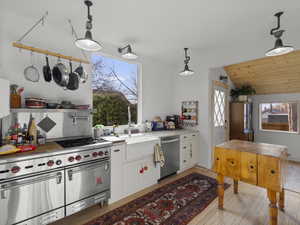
pixel 170 147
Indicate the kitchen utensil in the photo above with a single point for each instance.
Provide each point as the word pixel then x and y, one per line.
pixel 52 105
pixel 82 106
pixel 73 83
pixel 31 73
pixel 15 97
pixel 35 103
pixel 47 71
pixel 60 74
pixel 66 105
pixel 82 74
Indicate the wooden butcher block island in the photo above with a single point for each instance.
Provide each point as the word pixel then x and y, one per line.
pixel 259 164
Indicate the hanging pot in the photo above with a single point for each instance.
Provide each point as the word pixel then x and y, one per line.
pixel 73 83
pixel 47 71
pixel 82 74
pixel 60 74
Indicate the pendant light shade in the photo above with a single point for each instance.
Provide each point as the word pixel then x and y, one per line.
pixel 279 48
pixel 127 52
pixel 186 71
pixel 87 43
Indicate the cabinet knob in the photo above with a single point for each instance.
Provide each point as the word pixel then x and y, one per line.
pixel 117 150
pixel 272 171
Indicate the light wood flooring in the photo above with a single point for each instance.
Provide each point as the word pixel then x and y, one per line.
pixel 249 207
pixel 293 178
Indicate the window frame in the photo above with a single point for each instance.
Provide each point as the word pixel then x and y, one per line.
pixel 278 131
pixel 139 84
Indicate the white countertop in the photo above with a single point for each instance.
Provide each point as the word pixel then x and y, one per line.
pixel 157 134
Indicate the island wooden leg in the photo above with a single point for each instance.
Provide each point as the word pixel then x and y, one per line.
pixel 220 179
pixel 281 200
pixel 236 186
pixel 273 210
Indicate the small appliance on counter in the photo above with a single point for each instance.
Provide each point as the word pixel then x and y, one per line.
pixel 173 122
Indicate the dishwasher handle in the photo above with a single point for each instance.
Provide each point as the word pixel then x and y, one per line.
pixel 170 141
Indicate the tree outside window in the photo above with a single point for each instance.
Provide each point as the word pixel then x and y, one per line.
pixel 115 88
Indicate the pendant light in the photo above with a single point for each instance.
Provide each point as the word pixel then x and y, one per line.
pixel 87 43
pixel 127 52
pixel 187 71
pixel 279 48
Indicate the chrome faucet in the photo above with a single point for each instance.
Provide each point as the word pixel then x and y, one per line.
pixel 129 122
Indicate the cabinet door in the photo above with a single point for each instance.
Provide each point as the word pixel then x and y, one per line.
pixel 132 175
pixel 196 148
pixel 231 163
pixel 217 166
pixel 249 167
pixel 185 155
pixel 269 173
pixel 117 160
pixel 151 173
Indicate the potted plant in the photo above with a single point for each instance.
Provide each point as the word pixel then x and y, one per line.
pixel 241 94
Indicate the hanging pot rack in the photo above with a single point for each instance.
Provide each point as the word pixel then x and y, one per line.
pixel 19 45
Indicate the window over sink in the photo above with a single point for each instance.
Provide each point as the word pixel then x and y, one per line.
pixel 281 117
pixel 115 87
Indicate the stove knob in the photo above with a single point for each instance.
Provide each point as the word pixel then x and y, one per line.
pixel 78 157
pixel 58 162
pixel 100 153
pixel 95 154
pixel 15 169
pixel 106 153
pixel 50 163
pixel 71 159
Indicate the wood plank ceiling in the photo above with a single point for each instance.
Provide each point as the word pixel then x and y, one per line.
pixel 269 75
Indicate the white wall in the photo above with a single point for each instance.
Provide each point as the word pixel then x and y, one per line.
pixel 198 87
pixel 292 141
pixel 156 76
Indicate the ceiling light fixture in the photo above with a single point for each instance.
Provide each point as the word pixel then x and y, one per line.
pixel 279 48
pixel 186 71
pixel 127 52
pixel 87 43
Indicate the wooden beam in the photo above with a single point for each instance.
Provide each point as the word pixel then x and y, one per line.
pixel 46 52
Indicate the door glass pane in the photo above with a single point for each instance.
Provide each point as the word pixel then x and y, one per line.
pixel 219 108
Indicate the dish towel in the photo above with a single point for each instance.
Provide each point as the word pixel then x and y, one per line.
pixel 159 156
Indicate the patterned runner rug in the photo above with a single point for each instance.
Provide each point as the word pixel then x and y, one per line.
pixel 176 203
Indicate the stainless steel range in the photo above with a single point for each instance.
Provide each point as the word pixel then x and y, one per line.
pixel 40 187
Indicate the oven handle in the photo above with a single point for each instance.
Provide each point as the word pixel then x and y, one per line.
pixel 17 184
pixel 86 167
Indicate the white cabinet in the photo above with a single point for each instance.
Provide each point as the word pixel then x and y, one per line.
pixel 117 161
pixel 196 148
pixel 139 175
pixel 189 150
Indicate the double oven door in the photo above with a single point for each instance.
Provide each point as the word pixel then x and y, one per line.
pixel 32 196
pixel 87 184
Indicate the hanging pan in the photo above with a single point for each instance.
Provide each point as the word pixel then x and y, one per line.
pixel 82 74
pixel 73 83
pixel 47 71
pixel 60 74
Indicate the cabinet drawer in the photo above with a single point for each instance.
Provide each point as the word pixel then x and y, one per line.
pixel 269 173
pixel 231 164
pixel 186 137
pixel 249 167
